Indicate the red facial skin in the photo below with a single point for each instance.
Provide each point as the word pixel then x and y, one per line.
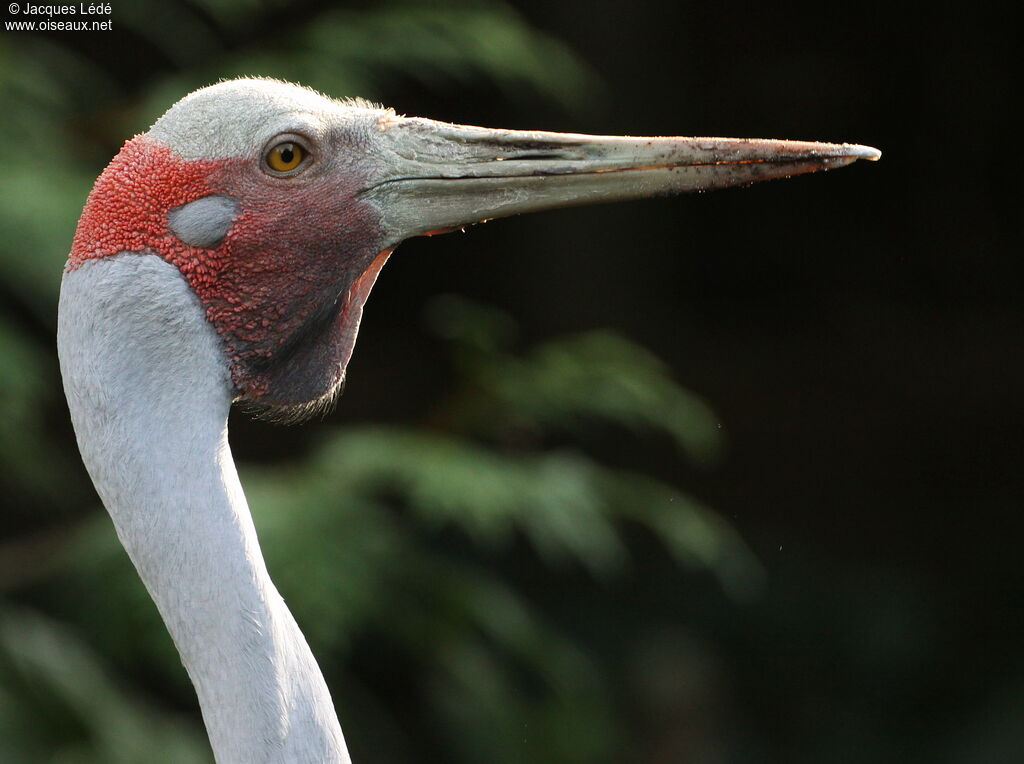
pixel 298 247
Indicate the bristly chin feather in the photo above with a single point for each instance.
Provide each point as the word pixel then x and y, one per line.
pixel 295 413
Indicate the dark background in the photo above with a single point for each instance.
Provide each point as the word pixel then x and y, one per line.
pixel 857 334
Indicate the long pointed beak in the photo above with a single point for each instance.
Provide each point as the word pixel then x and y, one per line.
pixel 440 177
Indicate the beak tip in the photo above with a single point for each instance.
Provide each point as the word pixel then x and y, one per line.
pixel 869 153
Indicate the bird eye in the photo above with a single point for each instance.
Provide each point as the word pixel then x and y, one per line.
pixel 285 156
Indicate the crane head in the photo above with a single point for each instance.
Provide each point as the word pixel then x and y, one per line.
pixel 279 206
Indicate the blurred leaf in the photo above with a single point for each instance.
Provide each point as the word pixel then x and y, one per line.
pixel 30 460
pixel 569 381
pixel 354 52
pixel 46 672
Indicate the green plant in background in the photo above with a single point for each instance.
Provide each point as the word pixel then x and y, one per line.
pixel 348 533
pixel 350 530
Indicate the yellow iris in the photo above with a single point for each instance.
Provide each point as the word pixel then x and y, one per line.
pixel 285 156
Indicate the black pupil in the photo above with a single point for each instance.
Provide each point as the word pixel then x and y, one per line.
pixel 287 153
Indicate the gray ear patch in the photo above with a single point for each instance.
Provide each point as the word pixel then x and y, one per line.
pixel 204 222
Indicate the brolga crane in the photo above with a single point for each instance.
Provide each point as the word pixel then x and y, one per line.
pixel 225 255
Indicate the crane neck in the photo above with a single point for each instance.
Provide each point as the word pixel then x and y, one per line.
pixel 149 391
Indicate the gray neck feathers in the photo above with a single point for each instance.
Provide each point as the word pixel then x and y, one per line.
pixel 149 391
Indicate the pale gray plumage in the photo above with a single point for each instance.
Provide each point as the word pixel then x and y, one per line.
pixel 149 395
